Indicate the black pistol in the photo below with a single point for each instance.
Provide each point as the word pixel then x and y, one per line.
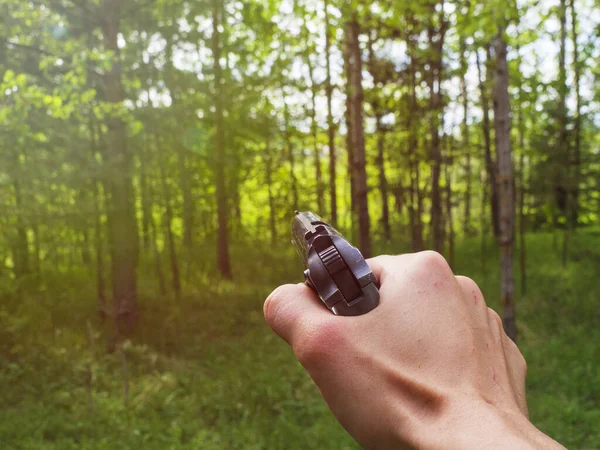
pixel 335 269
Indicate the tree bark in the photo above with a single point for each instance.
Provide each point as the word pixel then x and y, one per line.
pixel 330 125
pixel 220 160
pixel 21 246
pixel 168 223
pixel 380 137
pixel 413 151
pixel 314 132
pixel 269 181
pixel 522 191
pixel 564 155
pixel 490 164
pixel 356 134
pixel 383 183
pixel 465 136
pixel 450 219
pixel 576 172
pixel 184 175
pixel 435 106
pixel 122 223
pixel 505 183
pixel 98 235
pixel 290 154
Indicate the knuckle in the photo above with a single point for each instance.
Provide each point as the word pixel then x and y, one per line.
pixel 471 288
pixel 318 341
pixel 518 357
pixel 523 364
pixel 495 319
pixel 433 261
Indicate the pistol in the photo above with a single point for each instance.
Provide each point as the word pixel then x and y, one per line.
pixel 335 269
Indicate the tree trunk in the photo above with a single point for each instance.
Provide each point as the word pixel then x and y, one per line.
pixel 98 235
pixel 144 200
pixel 269 182
pixel 290 154
pixel 168 221
pixel 576 172
pixel 220 159
pixel 413 152
pixel 37 256
pixel 490 165
pixel 505 184
pixel 21 246
pixel 383 183
pixel 356 134
pixel 564 155
pixel 122 223
pixel 184 175
pixel 465 136
pixel 330 125
pixel 450 220
pixel 435 106
pixel 380 137
pixel 314 132
pixel 522 189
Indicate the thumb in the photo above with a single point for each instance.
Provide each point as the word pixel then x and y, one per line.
pixel 289 306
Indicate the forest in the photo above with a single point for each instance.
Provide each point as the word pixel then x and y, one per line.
pixel 152 155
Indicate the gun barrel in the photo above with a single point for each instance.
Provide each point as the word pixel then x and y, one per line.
pixel 334 268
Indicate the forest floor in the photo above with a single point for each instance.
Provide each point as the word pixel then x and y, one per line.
pixel 205 372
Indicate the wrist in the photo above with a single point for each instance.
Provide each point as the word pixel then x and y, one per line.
pixel 487 426
pixel 476 425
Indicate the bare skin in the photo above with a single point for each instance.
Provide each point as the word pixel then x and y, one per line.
pixel 430 367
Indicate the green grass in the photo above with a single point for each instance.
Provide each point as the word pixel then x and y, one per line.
pixel 205 372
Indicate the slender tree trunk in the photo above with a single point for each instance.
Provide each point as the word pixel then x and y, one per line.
pixel 490 164
pixel 220 160
pixel 482 222
pixel 21 266
pixel 380 137
pixel 330 125
pixel 450 221
pixel 563 176
pixel 505 184
pixel 269 182
pixel 145 210
pixel 158 270
pixel 168 225
pixel 465 136
pixel 413 151
pixel 522 191
pixel 576 172
pixel 290 154
pixel 314 132
pixel 98 235
pixel 183 171
pixel 383 183
pixel 355 131
pixel 435 106
pixel 122 223
pixel 86 257
pixel 37 257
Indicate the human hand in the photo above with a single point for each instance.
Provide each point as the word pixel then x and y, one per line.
pixel 430 367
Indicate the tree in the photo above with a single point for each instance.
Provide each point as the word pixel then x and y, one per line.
pixel 505 182
pixel 330 124
pixel 356 139
pixel 123 236
pixel 436 37
pixel 219 145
